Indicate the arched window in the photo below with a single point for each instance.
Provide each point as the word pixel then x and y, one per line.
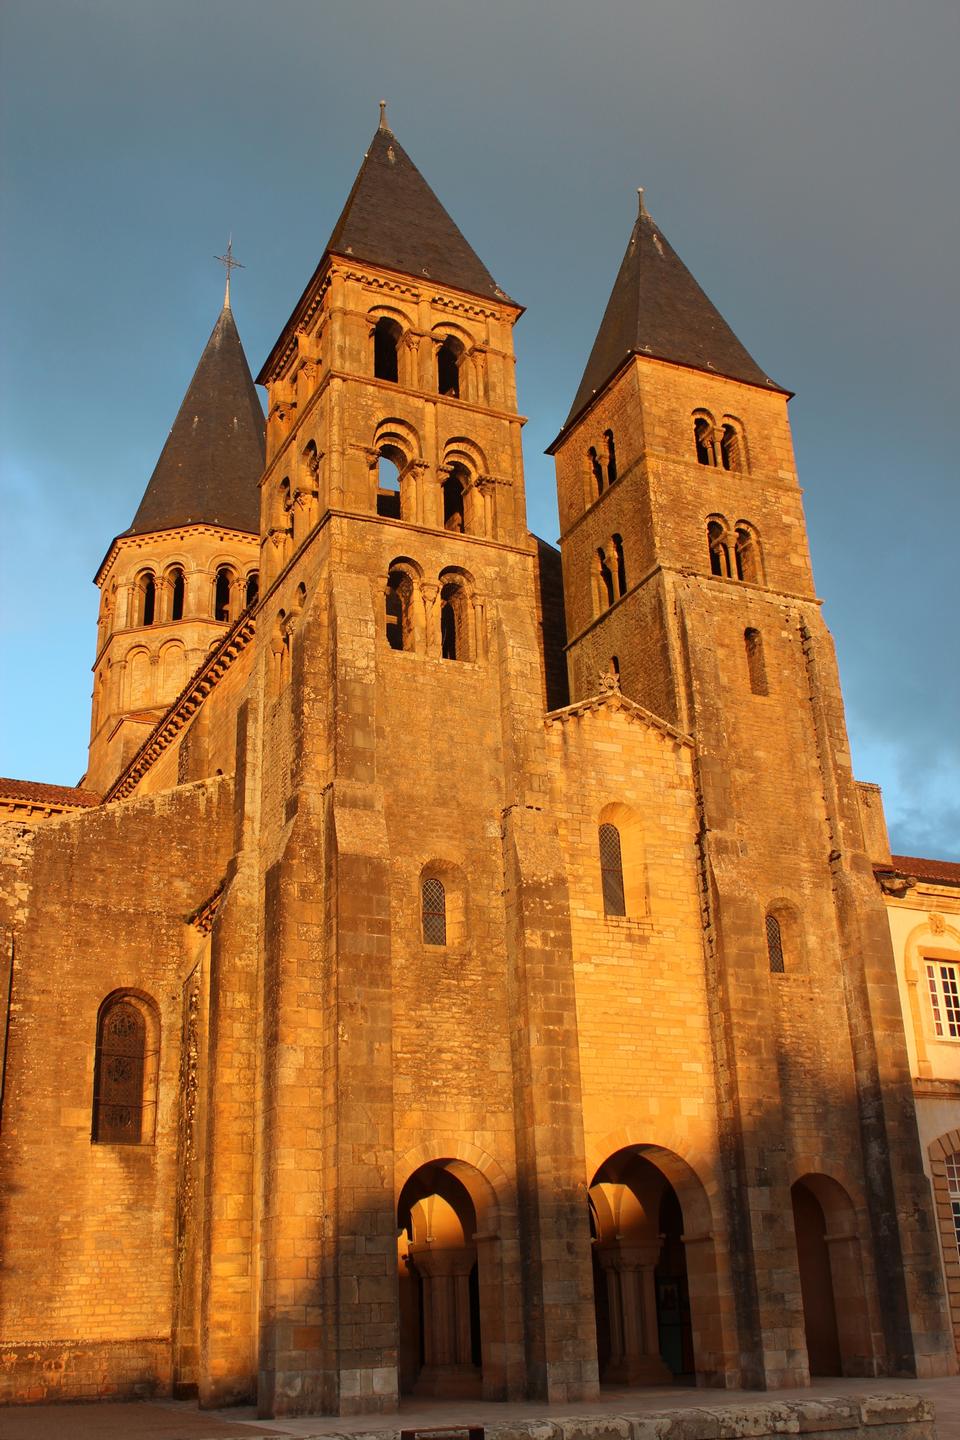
pixel 178 588
pixel 388 482
pixel 611 871
pixel 730 450
pixel 399 595
pixel 620 564
pixel 596 470
pixel 454 627
pixel 386 343
pixel 774 945
pixel 756 668
pixel 718 548
pixel 448 367
pixel 147 598
pixel 222 593
pixel 747 554
pixel 124 1075
pixel 605 574
pixel 252 592
pixel 453 489
pixel 433 911
pixel 611 457
pixel 703 441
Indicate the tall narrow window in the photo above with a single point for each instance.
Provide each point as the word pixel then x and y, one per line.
pixel 453 488
pixel 611 457
pixel 252 593
pixel 388 483
pixel 596 469
pixel 719 550
pixel 386 343
pixel 611 871
pixel 222 593
pixel 449 638
pixel 952 1164
pixel 606 580
pixel 621 565
pixel 943 983
pixel 747 556
pixel 148 599
pixel 753 643
pixel 703 441
pixel 118 1087
pixel 448 367
pixel 730 449
pixel 397 606
pixel 178 588
pixel 774 945
pixel 433 911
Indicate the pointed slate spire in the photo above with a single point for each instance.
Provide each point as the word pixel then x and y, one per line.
pixel 392 218
pixel 657 308
pixel 210 467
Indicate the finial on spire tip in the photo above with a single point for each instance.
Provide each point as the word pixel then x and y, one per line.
pixel 383 115
pixel 230 264
pixel 640 201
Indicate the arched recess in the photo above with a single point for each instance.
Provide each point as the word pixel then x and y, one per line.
pixel 452 1315
pixel 460 616
pixel 126 1070
pixel 139 679
pixel 835 1314
pixel 173 665
pixel 396 449
pixel 748 555
pixel 402 605
pixel 464 462
pixel 449 901
pixel 629 827
pixel 944 1153
pixel 659 1310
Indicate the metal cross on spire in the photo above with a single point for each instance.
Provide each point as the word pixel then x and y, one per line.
pixel 230 264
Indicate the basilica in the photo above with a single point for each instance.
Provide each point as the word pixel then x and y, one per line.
pixel 462 970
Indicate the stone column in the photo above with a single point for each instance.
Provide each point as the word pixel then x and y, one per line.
pixel 448 1369
pixel 632 1298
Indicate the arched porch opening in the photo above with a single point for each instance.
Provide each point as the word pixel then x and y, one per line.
pixel 655 1277
pixel 835 1317
pixel 451 1300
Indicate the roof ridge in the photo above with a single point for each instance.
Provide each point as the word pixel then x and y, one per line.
pixel 612 698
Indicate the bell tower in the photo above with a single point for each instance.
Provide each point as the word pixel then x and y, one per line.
pixel 173 583
pixel 687 574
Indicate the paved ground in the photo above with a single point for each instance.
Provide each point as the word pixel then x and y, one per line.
pixel 180 1420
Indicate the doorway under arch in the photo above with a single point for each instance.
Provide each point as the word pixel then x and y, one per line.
pixel 450 1281
pixel 655 1283
pixel 835 1317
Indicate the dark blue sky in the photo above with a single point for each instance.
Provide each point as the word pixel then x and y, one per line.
pixel 800 157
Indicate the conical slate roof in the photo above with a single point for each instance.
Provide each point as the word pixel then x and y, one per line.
pixel 209 469
pixel 657 308
pixel 392 218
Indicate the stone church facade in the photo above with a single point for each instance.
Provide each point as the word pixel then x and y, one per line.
pixel 461 970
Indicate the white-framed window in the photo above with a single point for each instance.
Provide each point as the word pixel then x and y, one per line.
pixel 943 984
pixel 953 1188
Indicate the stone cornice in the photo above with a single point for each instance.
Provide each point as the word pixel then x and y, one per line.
pixel 177 716
pixel 149 537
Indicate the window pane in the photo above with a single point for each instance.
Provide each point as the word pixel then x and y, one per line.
pixel 434 903
pixel 951 999
pixel 118 1104
pixel 611 871
pixel 775 945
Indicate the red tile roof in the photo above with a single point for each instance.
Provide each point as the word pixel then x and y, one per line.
pixel 34 792
pixel 940 872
